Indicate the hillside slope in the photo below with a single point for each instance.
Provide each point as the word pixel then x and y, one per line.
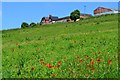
pixel 71 48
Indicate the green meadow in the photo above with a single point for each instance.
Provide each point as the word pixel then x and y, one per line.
pixel 84 49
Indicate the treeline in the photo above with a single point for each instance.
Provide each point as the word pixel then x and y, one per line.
pixel 26 25
pixel 73 16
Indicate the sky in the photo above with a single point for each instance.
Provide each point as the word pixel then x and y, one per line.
pixel 60 0
pixel 14 13
pixel 0 16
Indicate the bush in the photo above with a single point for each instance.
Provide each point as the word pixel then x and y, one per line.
pixel 97 23
pixel 81 18
pixel 24 25
pixel 32 24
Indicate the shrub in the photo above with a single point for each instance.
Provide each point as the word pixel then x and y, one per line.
pixel 32 24
pixel 24 25
pixel 97 23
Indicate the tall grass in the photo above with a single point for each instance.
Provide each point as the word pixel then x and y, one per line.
pixel 84 49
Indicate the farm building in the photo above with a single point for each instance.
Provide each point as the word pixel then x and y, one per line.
pixel 64 19
pixel 48 20
pixel 85 15
pixel 52 19
pixel 102 10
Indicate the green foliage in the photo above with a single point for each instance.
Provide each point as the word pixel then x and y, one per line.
pixel 24 25
pixel 68 43
pixel 33 24
pixel 75 15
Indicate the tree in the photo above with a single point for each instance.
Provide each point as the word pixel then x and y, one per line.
pixel 75 15
pixel 24 25
pixel 32 24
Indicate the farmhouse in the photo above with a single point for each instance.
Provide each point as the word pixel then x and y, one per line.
pixel 48 20
pixel 64 19
pixel 52 19
pixel 102 10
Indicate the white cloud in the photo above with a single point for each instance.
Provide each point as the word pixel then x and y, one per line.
pixel 60 0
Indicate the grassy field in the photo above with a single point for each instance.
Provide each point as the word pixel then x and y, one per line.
pixel 84 49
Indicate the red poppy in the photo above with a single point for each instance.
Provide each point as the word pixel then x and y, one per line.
pixel 49 66
pixel 45 64
pixel 92 69
pixel 92 62
pixel 59 63
pixel 53 75
pixel 98 60
pixel 58 66
pixel 80 60
pixel 32 68
pixel 41 60
pixel 109 61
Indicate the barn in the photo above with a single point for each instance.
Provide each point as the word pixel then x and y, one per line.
pixel 103 10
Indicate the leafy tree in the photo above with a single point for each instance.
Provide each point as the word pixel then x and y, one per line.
pixel 24 25
pixel 75 15
pixel 32 24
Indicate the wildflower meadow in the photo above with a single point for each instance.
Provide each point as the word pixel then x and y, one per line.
pixel 84 49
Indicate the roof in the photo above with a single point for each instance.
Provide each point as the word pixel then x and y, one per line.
pixel 102 7
pixel 45 18
pixel 67 17
pixel 115 9
pixel 108 8
pixel 53 18
pixel 82 14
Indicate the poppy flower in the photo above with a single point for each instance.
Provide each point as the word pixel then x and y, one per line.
pixel 92 62
pixel 80 60
pixel 45 64
pixel 98 60
pixel 109 61
pixel 49 66
pixel 59 63
pixel 41 60
pixel 92 69
pixel 53 75
pixel 32 68
pixel 58 66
